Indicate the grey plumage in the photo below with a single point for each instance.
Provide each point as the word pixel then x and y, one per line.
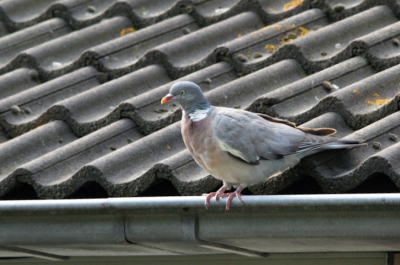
pixel 242 148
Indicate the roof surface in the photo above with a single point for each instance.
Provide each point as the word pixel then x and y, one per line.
pixel 81 83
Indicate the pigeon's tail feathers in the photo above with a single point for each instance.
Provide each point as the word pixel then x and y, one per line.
pixel 330 144
pixel 343 143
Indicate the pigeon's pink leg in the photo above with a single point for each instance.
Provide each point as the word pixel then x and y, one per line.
pixel 217 195
pixel 231 195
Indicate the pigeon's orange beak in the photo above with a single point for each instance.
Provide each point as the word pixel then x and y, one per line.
pixel 166 98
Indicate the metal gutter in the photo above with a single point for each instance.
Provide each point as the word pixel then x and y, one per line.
pixel 33 253
pixel 139 203
pixel 182 226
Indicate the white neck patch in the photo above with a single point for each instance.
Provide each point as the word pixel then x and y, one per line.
pixel 199 114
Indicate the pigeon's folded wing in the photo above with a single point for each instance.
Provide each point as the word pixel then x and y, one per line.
pixel 251 138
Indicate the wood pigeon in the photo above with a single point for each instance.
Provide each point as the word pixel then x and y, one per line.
pixel 243 148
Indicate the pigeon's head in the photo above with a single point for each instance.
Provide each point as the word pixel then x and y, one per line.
pixel 188 95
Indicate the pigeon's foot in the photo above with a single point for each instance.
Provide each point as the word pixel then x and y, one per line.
pixel 216 194
pixel 231 195
pixel 221 194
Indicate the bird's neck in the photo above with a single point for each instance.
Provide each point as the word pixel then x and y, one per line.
pixel 199 113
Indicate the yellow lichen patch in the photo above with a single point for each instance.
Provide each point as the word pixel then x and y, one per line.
pixel 296 33
pixel 269 47
pixel 377 102
pixel 126 31
pixel 271 9
pixel 168 147
pixel 355 91
pixel 292 4
pixel 239 35
pixel 303 31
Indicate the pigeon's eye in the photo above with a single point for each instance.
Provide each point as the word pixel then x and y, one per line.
pixel 183 92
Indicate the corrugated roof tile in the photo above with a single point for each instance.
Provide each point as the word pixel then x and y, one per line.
pixel 60 173
pixel 195 51
pixel 15 43
pixel 342 173
pixel 86 77
pixel 30 146
pixel 35 106
pixel 32 13
pixel 134 50
pixel 317 45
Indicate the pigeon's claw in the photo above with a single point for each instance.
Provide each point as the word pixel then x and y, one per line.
pixel 221 194
pixel 208 198
pixel 231 195
pixel 218 194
